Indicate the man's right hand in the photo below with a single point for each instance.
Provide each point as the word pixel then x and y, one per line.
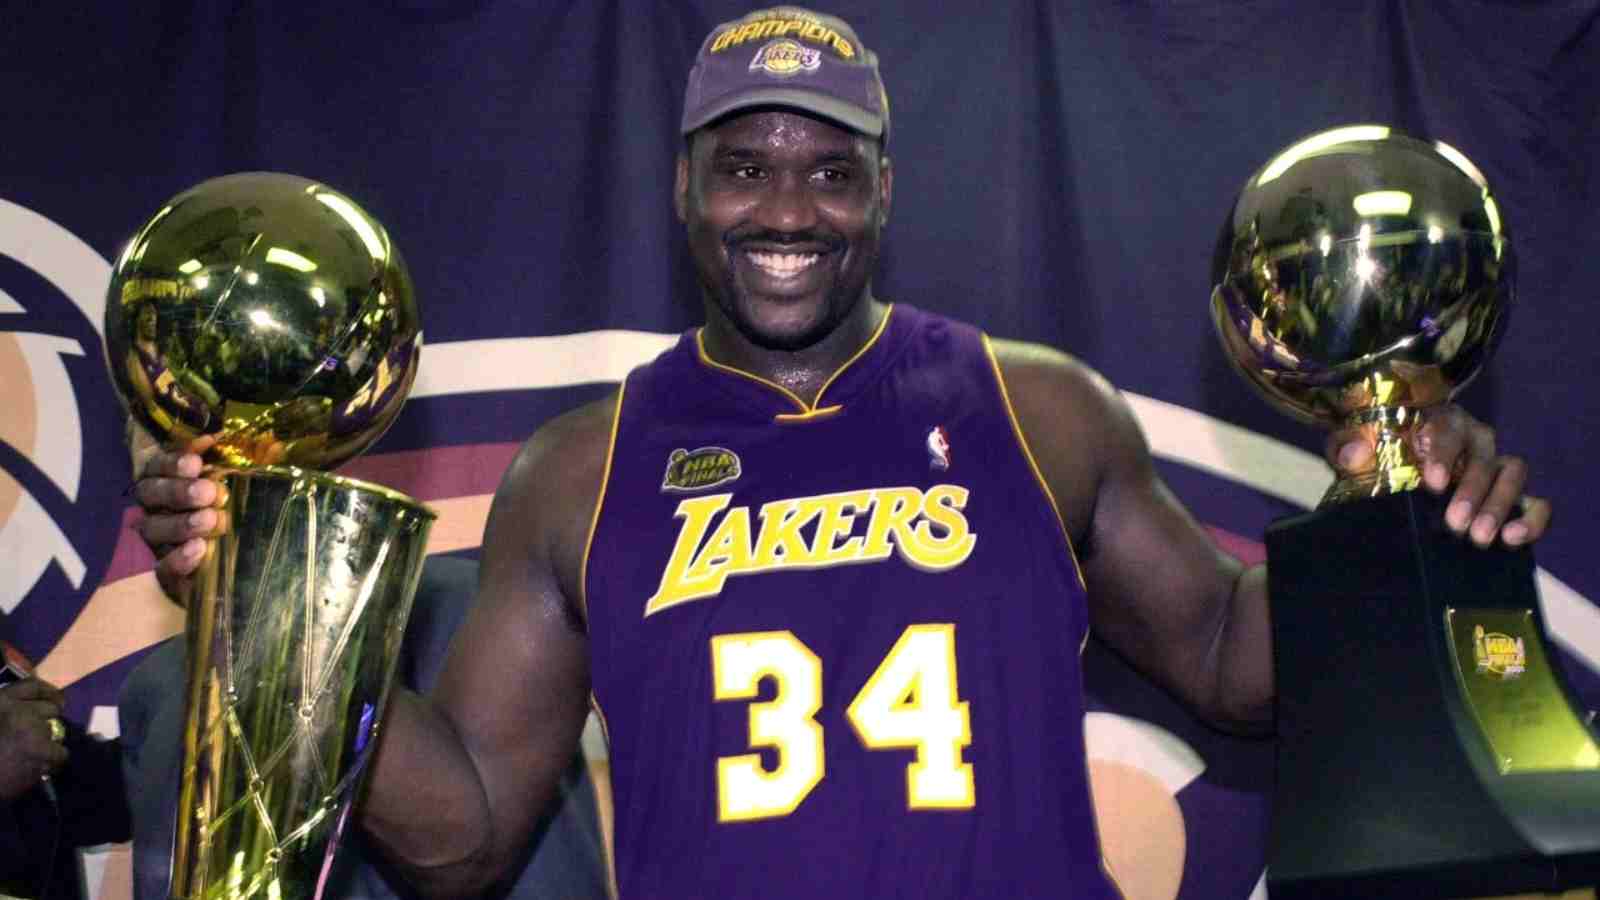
pixel 181 508
pixel 27 751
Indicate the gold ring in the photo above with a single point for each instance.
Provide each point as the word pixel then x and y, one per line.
pixel 58 730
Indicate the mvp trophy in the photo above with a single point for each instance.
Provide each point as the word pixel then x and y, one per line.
pixel 271 316
pixel 1428 744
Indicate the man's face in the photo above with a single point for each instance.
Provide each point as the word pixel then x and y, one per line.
pixel 783 214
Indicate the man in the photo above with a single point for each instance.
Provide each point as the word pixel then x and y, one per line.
pixel 825 567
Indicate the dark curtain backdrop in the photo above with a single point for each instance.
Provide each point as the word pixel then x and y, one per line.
pixel 1062 169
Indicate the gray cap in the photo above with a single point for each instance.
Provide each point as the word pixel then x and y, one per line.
pixel 787 56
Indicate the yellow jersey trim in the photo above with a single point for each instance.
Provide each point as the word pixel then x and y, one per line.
pixel 807 411
pixel 1033 464
pixel 600 716
pixel 1022 441
pixel 608 817
pixel 599 502
pixel 808 414
pixel 883 324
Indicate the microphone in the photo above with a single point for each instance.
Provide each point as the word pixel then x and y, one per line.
pixel 14 667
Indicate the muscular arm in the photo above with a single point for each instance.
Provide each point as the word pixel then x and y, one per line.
pixel 462 775
pixel 1187 615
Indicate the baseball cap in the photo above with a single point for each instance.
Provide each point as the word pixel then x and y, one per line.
pixel 792 57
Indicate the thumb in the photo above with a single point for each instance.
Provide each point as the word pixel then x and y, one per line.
pixel 1349 450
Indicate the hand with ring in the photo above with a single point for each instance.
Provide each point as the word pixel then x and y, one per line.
pixel 32 735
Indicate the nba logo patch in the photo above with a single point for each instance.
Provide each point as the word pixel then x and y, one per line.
pixel 938 448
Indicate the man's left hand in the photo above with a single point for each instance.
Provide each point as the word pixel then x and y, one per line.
pixel 1453 446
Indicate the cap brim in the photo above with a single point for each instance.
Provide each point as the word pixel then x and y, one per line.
pixel 847 114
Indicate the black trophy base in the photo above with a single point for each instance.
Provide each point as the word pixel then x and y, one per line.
pixel 1390 784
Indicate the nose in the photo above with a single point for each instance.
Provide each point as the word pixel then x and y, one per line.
pixel 787 205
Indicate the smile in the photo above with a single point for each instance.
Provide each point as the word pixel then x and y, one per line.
pixel 783 265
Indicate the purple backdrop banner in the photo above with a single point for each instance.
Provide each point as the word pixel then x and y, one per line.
pixel 1062 169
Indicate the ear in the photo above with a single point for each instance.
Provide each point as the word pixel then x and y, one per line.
pixel 885 189
pixel 680 189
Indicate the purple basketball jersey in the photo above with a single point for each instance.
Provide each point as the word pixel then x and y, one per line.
pixel 836 649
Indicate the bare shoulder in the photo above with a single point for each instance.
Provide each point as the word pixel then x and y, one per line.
pixel 1032 367
pixel 1078 427
pixel 1057 395
pixel 546 499
pixel 571 444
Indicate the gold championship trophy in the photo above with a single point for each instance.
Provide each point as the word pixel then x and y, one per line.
pixel 272 315
pixel 1428 744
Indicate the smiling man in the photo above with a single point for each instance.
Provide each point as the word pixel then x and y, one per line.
pixel 825 567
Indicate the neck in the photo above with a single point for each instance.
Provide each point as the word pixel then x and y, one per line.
pixel 803 372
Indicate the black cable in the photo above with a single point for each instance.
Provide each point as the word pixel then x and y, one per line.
pixel 48 879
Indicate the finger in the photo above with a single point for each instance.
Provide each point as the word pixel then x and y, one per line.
pixel 1530 525
pixel 172 462
pixel 141 446
pixel 177 493
pixel 1509 478
pixel 33 738
pixel 164 531
pixel 1446 442
pixel 38 753
pixel 181 562
pixel 55 757
pixel 172 585
pixel 35 690
pixel 41 710
pixel 1471 489
pixel 48 754
pixel 1349 450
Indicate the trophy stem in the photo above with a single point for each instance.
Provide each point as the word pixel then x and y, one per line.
pixel 1397 468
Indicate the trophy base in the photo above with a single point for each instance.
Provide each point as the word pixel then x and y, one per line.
pixel 1428 745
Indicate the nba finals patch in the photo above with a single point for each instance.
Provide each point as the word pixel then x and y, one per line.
pixel 1499 655
pixel 785 58
pixel 693 470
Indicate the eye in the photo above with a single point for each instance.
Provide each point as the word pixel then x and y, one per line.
pixel 831 175
pixel 748 172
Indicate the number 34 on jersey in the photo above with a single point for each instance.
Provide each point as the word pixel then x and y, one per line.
pixel 910 701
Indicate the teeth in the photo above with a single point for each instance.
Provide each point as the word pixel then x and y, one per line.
pixel 783 265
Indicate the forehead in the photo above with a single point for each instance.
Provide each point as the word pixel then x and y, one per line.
pixel 780 131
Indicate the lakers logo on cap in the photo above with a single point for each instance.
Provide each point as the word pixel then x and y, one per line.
pixel 693 470
pixel 784 58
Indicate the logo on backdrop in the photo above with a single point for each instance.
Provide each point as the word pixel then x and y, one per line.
pixel 55 531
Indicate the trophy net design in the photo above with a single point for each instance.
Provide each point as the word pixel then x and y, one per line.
pixel 270 318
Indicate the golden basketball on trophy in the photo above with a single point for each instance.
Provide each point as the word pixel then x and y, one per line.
pixel 272 316
pixel 1363 276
